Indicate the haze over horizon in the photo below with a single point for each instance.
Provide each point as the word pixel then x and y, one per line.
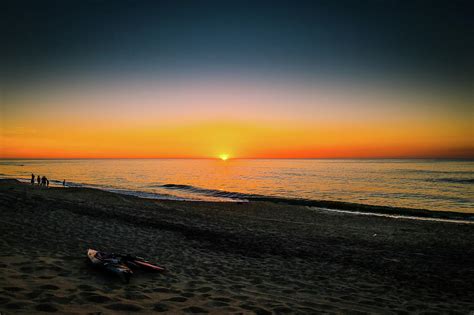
pixel 326 79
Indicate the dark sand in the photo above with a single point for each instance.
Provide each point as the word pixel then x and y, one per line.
pixel 259 257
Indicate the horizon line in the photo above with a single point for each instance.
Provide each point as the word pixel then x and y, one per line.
pixel 244 158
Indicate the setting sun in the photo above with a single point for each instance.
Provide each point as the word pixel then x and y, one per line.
pixel 224 157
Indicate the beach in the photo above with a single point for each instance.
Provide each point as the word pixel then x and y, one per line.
pixel 257 257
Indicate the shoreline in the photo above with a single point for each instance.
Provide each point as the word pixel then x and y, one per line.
pixel 356 208
pixel 375 209
pixel 255 257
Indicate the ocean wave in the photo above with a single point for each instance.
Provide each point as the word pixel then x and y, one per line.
pixel 143 194
pixel 422 196
pixel 12 163
pixel 207 192
pixel 338 205
pixel 118 190
pixel 415 171
pixel 453 180
pixel 236 196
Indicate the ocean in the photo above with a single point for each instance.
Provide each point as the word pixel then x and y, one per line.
pixel 445 185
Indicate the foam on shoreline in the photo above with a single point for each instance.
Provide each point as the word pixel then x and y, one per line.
pixel 394 216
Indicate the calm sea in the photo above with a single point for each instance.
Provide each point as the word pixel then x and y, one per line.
pixel 427 184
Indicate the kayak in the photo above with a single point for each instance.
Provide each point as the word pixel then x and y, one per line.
pixel 139 262
pixel 120 264
pixel 110 263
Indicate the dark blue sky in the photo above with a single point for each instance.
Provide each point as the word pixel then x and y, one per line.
pixel 426 42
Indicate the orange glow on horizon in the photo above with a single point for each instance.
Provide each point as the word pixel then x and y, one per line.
pixel 241 122
pixel 239 140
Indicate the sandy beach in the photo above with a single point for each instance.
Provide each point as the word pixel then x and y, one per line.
pixel 258 257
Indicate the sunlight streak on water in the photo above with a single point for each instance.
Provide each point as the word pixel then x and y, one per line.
pixel 425 184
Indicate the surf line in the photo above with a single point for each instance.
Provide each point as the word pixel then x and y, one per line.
pixel 393 216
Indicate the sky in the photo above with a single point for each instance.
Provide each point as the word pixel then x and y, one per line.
pixel 250 79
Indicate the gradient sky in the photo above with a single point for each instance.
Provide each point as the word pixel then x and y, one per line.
pixel 275 79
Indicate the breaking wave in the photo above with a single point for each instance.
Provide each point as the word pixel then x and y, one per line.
pixel 454 180
pixel 207 192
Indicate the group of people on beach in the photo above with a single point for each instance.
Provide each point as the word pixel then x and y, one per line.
pixel 42 181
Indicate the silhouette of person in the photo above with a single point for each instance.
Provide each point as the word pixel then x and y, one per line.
pixel 43 181
pixel 64 183
pixel 39 180
pixel 47 182
pixel 32 179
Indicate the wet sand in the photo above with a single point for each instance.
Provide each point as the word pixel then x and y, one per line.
pixel 258 257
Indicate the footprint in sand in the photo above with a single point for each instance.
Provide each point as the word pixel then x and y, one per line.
pixel 194 310
pixel 160 307
pixel 218 304
pixel 13 289
pixel 33 294
pixel 136 296
pixel 16 305
pixel 94 297
pixel 257 310
pixel 45 307
pixel 222 299
pixel 282 310
pixel 187 294
pixel 204 289
pixel 124 307
pixel 177 299
pixel 85 287
pixel 241 297
pixel 49 287
pixel 164 290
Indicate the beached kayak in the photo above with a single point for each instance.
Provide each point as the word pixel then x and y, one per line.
pixel 110 263
pixel 120 264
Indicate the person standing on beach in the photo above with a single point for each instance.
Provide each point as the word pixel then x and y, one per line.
pixel 43 181
pixel 32 179
pixel 39 180
pixel 64 183
pixel 47 182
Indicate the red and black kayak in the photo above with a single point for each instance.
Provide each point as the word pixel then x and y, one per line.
pixel 120 264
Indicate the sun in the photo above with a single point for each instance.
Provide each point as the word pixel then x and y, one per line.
pixel 224 157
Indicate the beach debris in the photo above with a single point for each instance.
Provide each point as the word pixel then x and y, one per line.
pixel 120 264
